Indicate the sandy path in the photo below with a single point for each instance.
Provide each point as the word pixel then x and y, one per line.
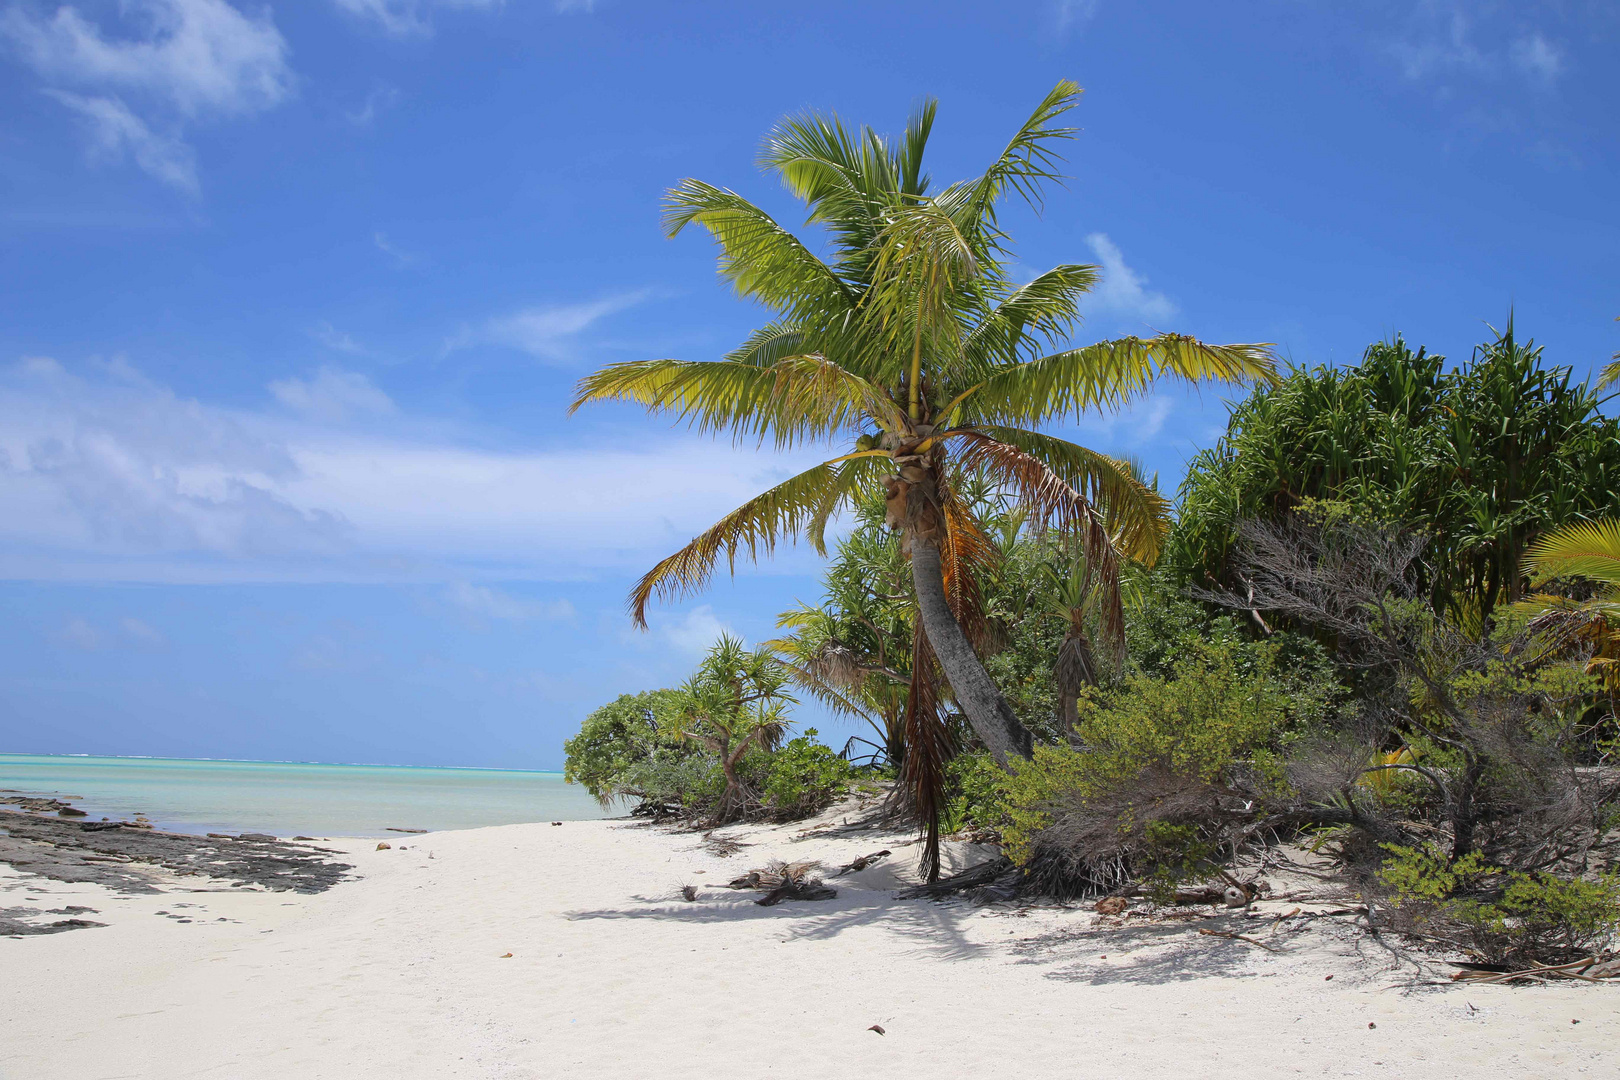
pixel 400 974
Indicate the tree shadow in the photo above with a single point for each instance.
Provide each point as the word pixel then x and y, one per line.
pixel 934 928
pixel 1150 953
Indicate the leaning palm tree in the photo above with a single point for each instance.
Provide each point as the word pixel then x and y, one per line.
pixel 912 343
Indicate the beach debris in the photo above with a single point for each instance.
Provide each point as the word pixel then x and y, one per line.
pixel 1110 905
pixel 556 823
pixel 994 879
pixel 392 828
pixel 879 1028
pixel 689 892
pixel 722 846
pixel 775 873
pixel 786 881
pixel 863 862
pixel 504 956
pixel 1237 937
pixel 385 846
pixel 1587 969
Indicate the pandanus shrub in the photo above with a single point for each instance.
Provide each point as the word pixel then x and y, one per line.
pixel 912 346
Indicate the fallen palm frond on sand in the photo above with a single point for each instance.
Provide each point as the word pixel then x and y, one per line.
pixel 1589 969
pixel 785 881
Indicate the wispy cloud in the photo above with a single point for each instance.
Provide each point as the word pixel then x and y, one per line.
pixel 400 256
pixel 331 394
pixel 694 632
pixel 1445 39
pixel 80 633
pixel 176 60
pixel 548 332
pixel 381 98
pixel 115 133
pixel 336 339
pixel 409 17
pixel 105 475
pixel 1537 57
pixel 1071 15
pixel 489 603
pixel 1122 293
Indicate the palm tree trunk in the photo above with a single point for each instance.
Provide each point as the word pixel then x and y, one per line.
pixel 976 693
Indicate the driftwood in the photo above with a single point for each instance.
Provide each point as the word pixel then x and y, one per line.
pixel 809 889
pixel 1237 937
pixel 863 862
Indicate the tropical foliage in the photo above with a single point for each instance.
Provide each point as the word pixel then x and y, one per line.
pixel 1483 459
pixel 1585 617
pixel 913 344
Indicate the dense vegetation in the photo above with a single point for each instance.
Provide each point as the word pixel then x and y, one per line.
pixel 1381 629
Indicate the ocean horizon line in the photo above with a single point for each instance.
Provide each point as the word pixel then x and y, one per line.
pixel 280 761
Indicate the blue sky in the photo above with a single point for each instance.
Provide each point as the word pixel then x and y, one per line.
pixel 292 297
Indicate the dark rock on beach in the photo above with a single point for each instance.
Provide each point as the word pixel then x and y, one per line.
pixel 125 857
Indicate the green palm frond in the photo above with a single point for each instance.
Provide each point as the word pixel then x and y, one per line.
pixel 1029 161
pixel 1041 311
pixel 761 259
pixel 753 529
pixel 1610 373
pixel 797 398
pixel 1107 375
pixel 1589 549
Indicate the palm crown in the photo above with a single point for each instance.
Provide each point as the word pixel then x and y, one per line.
pixel 911 342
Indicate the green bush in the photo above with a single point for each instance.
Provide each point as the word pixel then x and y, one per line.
pixel 975 794
pixel 1158 762
pixel 1513 918
pixel 618 738
pixel 803 778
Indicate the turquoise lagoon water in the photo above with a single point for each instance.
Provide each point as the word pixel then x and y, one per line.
pixel 289 799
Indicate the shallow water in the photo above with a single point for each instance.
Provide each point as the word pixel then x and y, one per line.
pixel 288 799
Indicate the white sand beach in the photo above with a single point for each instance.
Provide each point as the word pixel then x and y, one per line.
pixel 402 972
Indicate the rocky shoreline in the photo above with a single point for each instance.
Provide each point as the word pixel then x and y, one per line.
pixel 52 839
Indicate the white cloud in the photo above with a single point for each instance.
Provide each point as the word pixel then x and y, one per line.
pixel 1442 39
pixel 407 17
pixel 384 245
pixel 1537 57
pixel 490 603
pixel 693 633
pixel 333 338
pixel 382 98
pixel 331 394
pixel 1067 15
pixel 108 476
pixel 142 634
pixel 77 633
pixel 177 59
pixel 115 131
pixel 123 466
pixel 1122 292
pixel 547 332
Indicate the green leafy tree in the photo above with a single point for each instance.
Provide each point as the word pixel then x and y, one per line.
pixel 617 738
